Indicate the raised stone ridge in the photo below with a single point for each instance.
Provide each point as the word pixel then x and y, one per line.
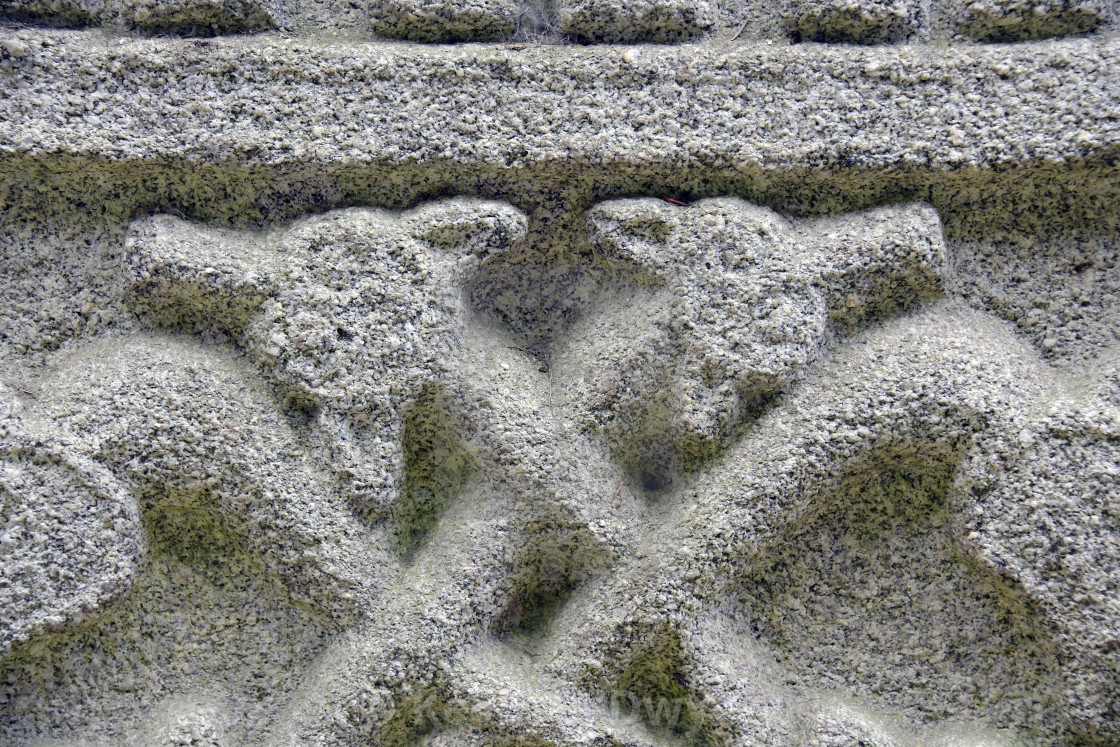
pixel 712 107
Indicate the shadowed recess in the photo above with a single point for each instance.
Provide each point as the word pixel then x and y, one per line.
pixel 873 596
pixel 436 468
pixel 551 567
pixel 655 689
pixel 416 717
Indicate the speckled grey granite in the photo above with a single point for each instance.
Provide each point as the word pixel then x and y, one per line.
pixel 72 538
pixel 239 103
pixel 351 316
pixel 866 22
pixel 585 21
pixel 427 21
pixel 750 376
pixel 162 17
pixel 729 304
pixel 1011 20
pixel 635 20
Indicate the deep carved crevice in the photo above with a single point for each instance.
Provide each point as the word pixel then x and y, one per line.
pixel 436 468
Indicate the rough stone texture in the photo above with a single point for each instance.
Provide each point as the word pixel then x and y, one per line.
pixel 585 21
pixel 71 540
pixel 200 18
pixel 707 391
pixel 635 20
pixel 729 304
pixel 348 315
pixel 179 17
pixel 1012 20
pixel 859 22
pixel 427 21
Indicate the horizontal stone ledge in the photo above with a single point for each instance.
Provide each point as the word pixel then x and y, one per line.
pixel 267 100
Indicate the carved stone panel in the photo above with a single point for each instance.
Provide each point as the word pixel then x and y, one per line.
pixel 463 373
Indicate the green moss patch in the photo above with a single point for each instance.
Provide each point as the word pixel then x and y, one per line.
pixel 436 468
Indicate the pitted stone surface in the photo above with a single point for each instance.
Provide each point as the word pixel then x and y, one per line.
pixel 1048 529
pixel 681 614
pixel 423 20
pixel 586 21
pixel 728 303
pixel 201 17
pixel 181 17
pixel 71 540
pixel 855 21
pixel 776 484
pixel 703 109
pixel 79 13
pixel 352 315
pixel 747 376
pixel 1012 20
pixel 634 21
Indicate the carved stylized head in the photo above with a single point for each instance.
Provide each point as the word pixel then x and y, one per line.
pixel 742 301
pixel 350 314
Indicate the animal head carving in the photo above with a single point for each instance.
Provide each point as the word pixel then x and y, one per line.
pixel 349 313
pixel 744 300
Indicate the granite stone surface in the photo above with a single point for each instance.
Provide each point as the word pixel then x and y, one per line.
pixel 508 373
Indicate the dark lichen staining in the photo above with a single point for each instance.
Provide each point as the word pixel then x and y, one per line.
pixel 301 410
pixel 646 441
pixel 187 524
pixel 415 717
pixel 533 606
pixel 193 534
pixel 756 402
pixel 521 742
pixel 658 455
pixel 655 689
pixel 179 17
pixel 552 566
pixel 653 475
pixel 871 23
pixel 60 14
pixel 1013 20
pixel 873 595
pixel 653 458
pixel 437 467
